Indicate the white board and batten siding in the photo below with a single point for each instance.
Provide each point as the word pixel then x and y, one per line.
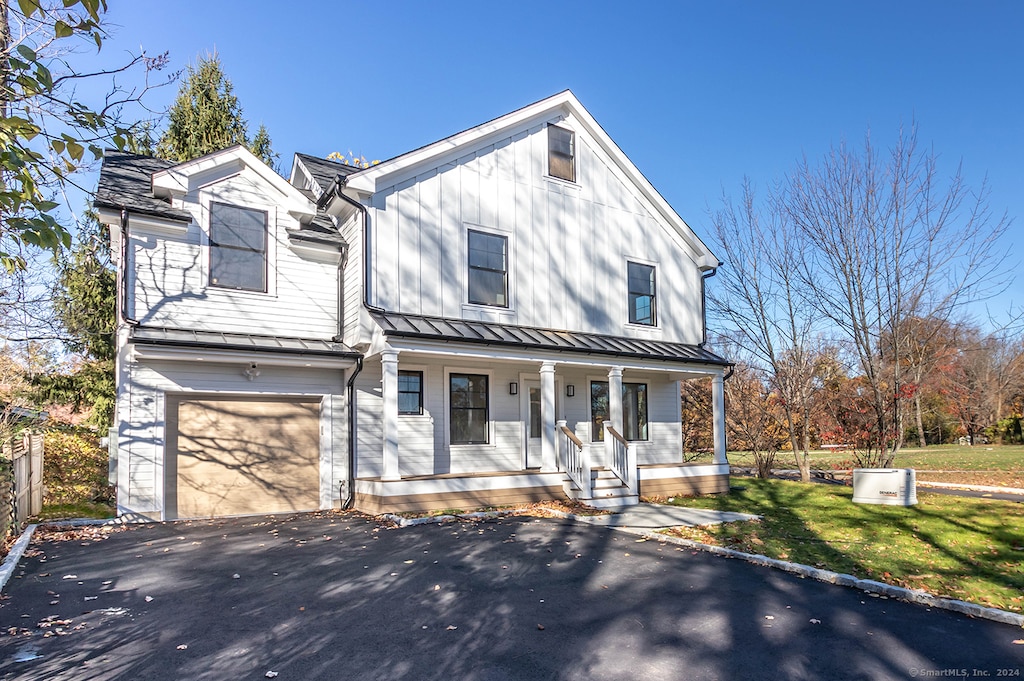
pixel 171 273
pixel 142 406
pixel 568 242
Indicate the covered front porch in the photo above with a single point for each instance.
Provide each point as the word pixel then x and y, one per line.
pixel 458 423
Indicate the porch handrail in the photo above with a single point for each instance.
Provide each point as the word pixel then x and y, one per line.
pixel 574 460
pixel 621 458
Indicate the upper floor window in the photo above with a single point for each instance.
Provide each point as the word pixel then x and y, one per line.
pixel 410 392
pixel 238 247
pixel 488 269
pixel 642 298
pixel 561 153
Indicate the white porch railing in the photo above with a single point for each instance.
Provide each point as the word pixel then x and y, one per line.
pixel 621 458
pixel 574 460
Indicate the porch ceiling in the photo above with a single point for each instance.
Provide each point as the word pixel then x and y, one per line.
pixel 399 325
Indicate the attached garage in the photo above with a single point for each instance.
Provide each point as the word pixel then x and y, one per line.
pixel 241 455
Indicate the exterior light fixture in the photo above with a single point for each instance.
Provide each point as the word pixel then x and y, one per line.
pixel 252 371
pixel 513 388
pixel 570 391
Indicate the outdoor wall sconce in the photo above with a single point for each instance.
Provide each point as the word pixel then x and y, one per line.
pixel 513 388
pixel 570 391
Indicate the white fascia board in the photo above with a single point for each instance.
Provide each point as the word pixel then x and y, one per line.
pixel 310 250
pixel 451 485
pixel 368 181
pixel 176 181
pixel 211 356
pixel 512 354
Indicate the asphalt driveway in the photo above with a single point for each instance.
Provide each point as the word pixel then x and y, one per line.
pixel 336 596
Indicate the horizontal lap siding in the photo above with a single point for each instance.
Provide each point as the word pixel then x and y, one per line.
pixel 172 273
pixel 568 244
pixel 142 432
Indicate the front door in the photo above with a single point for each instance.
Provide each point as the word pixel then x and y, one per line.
pixel 532 424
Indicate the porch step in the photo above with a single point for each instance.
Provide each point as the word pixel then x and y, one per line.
pixel 607 491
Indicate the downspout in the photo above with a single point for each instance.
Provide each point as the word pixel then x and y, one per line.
pixel 707 274
pixel 351 481
pixel 124 269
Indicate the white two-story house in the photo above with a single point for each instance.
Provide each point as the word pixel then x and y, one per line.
pixel 502 316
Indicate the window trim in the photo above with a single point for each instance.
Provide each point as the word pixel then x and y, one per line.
pixel 419 393
pixel 454 371
pixel 469 268
pixel 572 153
pixel 630 308
pixel 595 431
pixel 211 245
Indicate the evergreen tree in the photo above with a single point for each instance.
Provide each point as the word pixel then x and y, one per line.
pixel 206 117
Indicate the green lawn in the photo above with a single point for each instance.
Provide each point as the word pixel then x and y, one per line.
pixel 970 549
pixel 981 465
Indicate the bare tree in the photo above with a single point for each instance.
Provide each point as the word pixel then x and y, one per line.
pixel 886 240
pixel 759 301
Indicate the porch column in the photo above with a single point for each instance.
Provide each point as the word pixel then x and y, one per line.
pixel 548 446
pixel 389 389
pixel 615 398
pixel 718 417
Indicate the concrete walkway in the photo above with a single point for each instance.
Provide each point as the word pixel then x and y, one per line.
pixel 652 516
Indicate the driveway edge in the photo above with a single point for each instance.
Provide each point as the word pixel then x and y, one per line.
pixel 868 586
pixel 15 554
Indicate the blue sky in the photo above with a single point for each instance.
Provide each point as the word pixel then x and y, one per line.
pixel 697 94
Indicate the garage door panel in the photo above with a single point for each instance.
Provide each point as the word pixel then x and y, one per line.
pixel 245 456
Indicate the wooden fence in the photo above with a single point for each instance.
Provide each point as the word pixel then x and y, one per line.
pixel 21 489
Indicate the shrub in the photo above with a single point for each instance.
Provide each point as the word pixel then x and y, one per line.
pixel 75 468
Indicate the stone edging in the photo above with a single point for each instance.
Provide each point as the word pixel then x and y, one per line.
pixel 868 586
pixel 15 554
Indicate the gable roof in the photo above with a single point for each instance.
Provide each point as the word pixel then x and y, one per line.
pixel 126 183
pixel 370 180
pixel 323 171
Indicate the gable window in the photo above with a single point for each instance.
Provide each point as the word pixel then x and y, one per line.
pixel 488 269
pixel 238 247
pixel 634 410
pixel 468 409
pixel 642 298
pixel 561 153
pixel 410 392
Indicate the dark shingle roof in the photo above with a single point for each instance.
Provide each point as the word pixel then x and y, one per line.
pixel 240 341
pixel 324 171
pixel 490 333
pixel 126 182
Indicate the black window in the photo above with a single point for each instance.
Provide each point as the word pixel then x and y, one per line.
pixel 561 153
pixel 634 410
pixel 642 299
pixel 468 397
pixel 488 269
pixel 410 392
pixel 238 247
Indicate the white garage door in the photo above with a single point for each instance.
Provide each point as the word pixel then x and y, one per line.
pixel 241 456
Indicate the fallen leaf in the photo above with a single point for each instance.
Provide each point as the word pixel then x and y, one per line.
pixel 91 598
pixel 814 621
pixel 769 617
pixel 270 675
pixel 70 577
pixel 1019 642
pixel 541 627
pixel 452 627
pixel 437 587
pixel 183 646
pixel 236 576
pixel 149 599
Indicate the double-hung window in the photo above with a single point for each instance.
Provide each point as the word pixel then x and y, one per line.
pixel 468 414
pixel 561 153
pixel 642 294
pixel 238 247
pixel 410 392
pixel 488 269
pixel 634 410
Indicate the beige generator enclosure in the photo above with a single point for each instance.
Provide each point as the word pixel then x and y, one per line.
pixel 241 455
